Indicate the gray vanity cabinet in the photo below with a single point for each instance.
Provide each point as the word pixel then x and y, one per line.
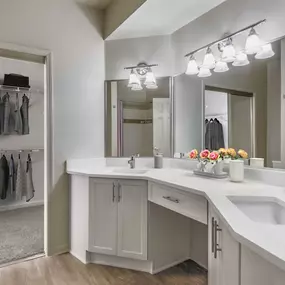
pixel 118 218
pixel 223 253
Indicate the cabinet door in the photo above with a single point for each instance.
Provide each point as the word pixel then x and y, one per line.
pixel 132 219
pixel 229 258
pixel 224 254
pixel 213 264
pixel 103 216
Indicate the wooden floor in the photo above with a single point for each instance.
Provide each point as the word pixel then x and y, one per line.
pixel 66 270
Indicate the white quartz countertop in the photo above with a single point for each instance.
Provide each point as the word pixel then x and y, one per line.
pixel 265 239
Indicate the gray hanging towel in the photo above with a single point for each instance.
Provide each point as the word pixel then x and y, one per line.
pixel 7 114
pixel 25 115
pixel 30 190
pixel 12 175
pixel 21 180
pixel 4 177
pixel 18 118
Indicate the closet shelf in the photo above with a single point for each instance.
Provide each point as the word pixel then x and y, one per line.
pixel 23 150
pixel 14 88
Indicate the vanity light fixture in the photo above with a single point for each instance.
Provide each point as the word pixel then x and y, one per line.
pixel 150 80
pixel 221 66
pixel 137 87
pixel 265 52
pixel 133 80
pixel 241 59
pixel 229 52
pixel 204 72
pixel 253 45
pixel 192 67
pixel 209 59
pixel 142 71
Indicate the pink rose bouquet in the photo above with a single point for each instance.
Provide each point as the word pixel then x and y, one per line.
pixel 204 154
pixel 214 156
pixel 193 154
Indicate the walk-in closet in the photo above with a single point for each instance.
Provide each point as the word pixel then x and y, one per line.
pixel 22 156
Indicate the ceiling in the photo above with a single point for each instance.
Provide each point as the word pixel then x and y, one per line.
pixel 99 4
pixel 162 17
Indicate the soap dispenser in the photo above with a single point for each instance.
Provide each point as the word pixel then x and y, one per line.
pixel 158 158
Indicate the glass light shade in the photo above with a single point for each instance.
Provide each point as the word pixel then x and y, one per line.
pixel 150 78
pixel 253 43
pixel 154 86
pixel 266 52
pixel 241 59
pixel 133 80
pixel 221 66
pixel 204 72
pixel 209 60
pixel 192 68
pixel 229 53
pixel 137 87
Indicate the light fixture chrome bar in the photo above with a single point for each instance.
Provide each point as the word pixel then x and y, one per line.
pixel 141 66
pixel 226 37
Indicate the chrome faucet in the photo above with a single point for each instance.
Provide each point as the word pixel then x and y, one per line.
pixel 132 161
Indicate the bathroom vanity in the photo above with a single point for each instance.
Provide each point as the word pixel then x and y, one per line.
pixel 149 220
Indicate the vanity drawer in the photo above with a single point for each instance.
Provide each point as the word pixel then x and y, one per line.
pixel 187 204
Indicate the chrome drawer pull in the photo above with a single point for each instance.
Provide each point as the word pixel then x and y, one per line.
pixel 171 199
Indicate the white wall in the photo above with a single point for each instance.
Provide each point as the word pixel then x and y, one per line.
pixel 73 35
pixel 188 113
pixel 137 138
pixel 230 16
pixel 35 140
pixel 129 52
pixel 273 111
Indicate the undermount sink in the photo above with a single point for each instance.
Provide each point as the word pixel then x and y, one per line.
pixel 130 170
pixel 266 210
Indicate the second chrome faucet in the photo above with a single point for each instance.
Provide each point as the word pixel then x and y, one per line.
pixel 132 161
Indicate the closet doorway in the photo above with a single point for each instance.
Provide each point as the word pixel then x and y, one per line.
pixel 232 112
pixel 24 145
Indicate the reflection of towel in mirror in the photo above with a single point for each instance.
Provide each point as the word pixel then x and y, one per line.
pixel 30 190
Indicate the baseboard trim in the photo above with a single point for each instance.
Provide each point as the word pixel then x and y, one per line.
pixel 121 262
pixel 80 258
pixel 164 267
pixel 20 206
pixel 64 248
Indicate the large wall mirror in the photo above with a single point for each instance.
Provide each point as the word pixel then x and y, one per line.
pixel 138 121
pixel 240 108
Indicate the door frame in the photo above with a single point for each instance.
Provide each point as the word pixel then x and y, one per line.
pixel 48 129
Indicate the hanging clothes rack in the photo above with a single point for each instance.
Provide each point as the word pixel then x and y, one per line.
pixel 22 150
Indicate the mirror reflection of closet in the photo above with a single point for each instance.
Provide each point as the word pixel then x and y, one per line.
pixel 231 114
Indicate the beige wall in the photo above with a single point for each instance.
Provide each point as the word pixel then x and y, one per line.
pixel 117 12
pixel 73 36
